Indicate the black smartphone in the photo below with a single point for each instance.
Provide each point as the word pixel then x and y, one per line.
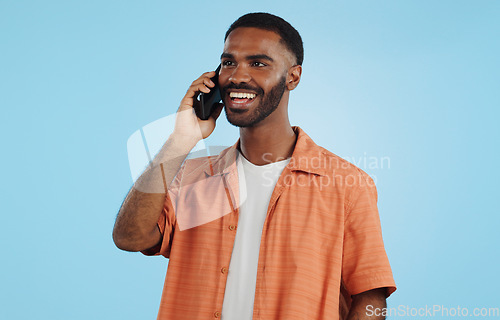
pixel 208 101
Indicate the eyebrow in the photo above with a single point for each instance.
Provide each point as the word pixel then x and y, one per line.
pixel 251 57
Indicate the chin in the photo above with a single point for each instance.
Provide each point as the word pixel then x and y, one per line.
pixel 239 122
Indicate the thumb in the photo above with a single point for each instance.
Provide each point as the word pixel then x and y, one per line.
pixel 217 111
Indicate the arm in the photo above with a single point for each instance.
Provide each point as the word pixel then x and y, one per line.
pixel 368 305
pixel 136 224
pixel 365 264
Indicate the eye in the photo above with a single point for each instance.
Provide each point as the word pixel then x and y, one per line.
pixel 227 63
pixel 258 64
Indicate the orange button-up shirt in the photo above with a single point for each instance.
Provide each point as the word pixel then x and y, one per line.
pixel 321 241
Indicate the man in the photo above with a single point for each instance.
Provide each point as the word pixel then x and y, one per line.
pixel 275 227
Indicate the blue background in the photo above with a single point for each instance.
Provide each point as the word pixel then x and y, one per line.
pixel 415 82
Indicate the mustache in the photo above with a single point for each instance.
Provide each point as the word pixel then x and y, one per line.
pixel 242 86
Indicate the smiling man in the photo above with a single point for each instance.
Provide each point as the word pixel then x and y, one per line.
pixel 246 104
pixel 274 227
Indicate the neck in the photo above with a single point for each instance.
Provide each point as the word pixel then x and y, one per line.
pixel 266 144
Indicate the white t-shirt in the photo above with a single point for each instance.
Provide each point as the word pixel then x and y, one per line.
pixel 256 185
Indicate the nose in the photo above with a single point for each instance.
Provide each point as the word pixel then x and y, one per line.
pixel 240 75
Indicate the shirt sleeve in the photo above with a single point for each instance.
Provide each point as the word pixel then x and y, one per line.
pixel 365 265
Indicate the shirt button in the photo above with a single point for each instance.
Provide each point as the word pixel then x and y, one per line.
pixel 223 270
pixel 217 314
pixel 232 227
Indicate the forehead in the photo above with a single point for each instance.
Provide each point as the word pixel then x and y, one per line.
pixel 249 41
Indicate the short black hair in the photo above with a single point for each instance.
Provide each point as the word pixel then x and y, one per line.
pixel 262 20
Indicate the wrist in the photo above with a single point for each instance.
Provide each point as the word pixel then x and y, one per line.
pixel 183 142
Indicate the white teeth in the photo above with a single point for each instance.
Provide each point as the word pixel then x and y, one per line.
pixel 242 95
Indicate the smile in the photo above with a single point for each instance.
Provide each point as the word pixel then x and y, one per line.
pixel 240 97
pixel 240 101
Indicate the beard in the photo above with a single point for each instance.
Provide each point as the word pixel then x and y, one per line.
pixel 268 104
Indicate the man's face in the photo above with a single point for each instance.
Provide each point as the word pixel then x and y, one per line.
pixel 253 75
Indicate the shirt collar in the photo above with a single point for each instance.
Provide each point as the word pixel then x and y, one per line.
pixel 307 156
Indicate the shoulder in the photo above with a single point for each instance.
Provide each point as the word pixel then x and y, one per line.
pixel 341 167
pixel 208 165
pixel 311 157
pixel 342 175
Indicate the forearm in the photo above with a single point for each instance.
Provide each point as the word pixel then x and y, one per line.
pixel 135 227
pixel 365 305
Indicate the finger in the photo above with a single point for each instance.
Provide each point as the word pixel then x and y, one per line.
pixel 206 75
pixel 191 96
pixel 209 74
pixel 208 82
pixel 195 89
pixel 202 84
pixel 205 80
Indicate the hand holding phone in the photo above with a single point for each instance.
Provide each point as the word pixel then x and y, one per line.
pixel 209 101
pixel 191 122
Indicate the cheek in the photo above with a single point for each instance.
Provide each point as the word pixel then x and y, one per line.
pixel 223 78
pixel 266 81
pixel 268 84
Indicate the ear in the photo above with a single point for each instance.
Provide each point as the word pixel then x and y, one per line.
pixel 293 77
